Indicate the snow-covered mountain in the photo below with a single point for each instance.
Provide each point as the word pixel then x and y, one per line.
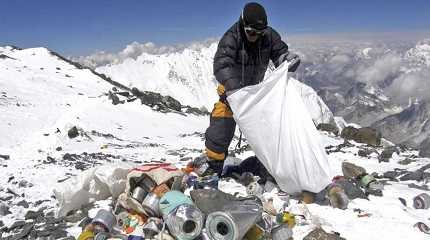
pixel 411 126
pixel 187 75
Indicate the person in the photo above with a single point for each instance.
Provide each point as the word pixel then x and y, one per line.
pixel 241 60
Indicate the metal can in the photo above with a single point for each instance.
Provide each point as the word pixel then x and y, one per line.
pixel 106 219
pixel 422 227
pixel 422 201
pixel 139 194
pixel 151 204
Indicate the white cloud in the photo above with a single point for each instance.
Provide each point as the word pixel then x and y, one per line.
pixel 135 49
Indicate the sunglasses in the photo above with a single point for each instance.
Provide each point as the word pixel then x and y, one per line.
pixel 253 32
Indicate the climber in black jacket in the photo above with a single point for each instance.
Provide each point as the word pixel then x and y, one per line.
pixel 241 60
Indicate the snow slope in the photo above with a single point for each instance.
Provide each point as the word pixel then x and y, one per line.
pixel 38 107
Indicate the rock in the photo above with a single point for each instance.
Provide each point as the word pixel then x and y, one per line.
pixel 73 132
pixel 23 204
pixel 392 175
pixel 425 148
pixel 52 233
pixel 374 192
pixel 422 187
pixel 114 98
pixel 369 136
pixel 425 167
pixel 349 132
pixel 387 153
pixel 364 152
pixel 363 135
pixel 24 184
pixel 327 127
pixel 4 209
pixel 59 149
pixel 5 157
pixel 33 214
pixel 351 188
pixel 416 176
pixel 406 161
pixel 17 224
pixel 24 232
pixel 320 234
pixel 352 171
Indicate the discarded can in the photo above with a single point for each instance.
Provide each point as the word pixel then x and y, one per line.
pixel 233 222
pixel 422 201
pixel 185 222
pixel 121 218
pixel 366 180
pixel 139 193
pixel 255 233
pixel 132 222
pixel 285 197
pixel 147 183
pixel 191 180
pixel 171 200
pixel 152 227
pixel 102 236
pixel 422 227
pixel 200 165
pixel 104 219
pixel 255 189
pixel 207 182
pixel 161 189
pixel 86 235
pixel 286 218
pixel 151 205
pixel 282 232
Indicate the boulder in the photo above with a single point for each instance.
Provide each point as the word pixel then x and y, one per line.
pixel 349 133
pixel 352 171
pixel 4 209
pixel 351 188
pixel 327 127
pixel 362 135
pixel 387 153
pixel 369 136
pixel 320 234
pixel 425 148
pixel 73 132
pixel 23 204
pixel 416 176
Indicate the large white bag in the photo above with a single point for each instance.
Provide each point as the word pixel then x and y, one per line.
pixel 278 126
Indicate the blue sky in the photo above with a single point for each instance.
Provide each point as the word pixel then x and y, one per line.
pixel 81 27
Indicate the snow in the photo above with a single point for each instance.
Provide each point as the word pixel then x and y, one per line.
pixel 35 102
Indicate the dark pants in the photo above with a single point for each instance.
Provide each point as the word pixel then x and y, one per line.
pixel 221 128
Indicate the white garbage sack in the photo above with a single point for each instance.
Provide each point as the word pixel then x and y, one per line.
pixel 92 185
pixel 279 128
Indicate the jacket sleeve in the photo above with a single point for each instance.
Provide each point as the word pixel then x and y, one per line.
pixel 225 68
pixel 279 49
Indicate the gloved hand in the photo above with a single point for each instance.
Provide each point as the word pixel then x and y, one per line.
pixel 293 60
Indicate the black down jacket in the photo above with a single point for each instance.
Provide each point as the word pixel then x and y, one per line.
pixel 240 63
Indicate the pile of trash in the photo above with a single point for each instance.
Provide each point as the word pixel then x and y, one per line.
pixel 160 201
